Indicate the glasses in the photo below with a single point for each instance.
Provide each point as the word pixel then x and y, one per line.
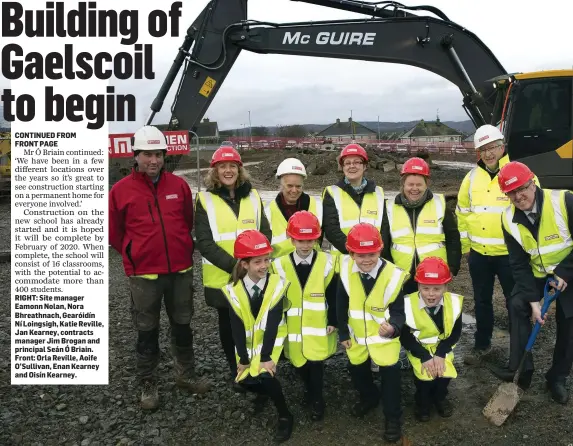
pixel 520 190
pixel 353 163
pixel 490 149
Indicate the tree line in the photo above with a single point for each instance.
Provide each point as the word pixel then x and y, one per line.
pixel 282 131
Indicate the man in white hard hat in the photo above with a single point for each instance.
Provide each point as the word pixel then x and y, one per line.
pixel 290 199
pixel 480 204
pixel 150 223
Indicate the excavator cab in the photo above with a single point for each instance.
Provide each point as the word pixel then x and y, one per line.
pixel 537 122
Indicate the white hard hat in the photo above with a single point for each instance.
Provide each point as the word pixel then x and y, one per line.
pixel 149 138
pixel 291 165
pixel 486 134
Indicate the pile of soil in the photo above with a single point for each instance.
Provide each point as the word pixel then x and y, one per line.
pixel 323 169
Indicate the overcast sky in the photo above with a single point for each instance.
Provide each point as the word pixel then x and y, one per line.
pixel 285 90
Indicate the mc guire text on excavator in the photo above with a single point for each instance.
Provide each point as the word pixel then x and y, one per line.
pixel 330 38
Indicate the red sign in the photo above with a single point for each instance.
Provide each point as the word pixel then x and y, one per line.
pixel 119 144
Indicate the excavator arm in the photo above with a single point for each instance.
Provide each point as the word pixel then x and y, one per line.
pixel 390 34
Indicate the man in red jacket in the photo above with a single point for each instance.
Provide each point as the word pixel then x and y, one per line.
pixel 150 223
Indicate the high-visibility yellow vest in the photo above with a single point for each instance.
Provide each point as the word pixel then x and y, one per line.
pixel 350 214
pixel 553 242
pixel 255 327
pixel 225 227
pixel 307 310
pixel 427 240
pixel 280 242
pixel 366 313
pixel 427 334
pixel 480 203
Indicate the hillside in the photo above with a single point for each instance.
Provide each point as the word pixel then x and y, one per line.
pixel 465 127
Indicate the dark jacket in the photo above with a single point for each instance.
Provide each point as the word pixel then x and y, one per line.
pixel 396 308
pixel 451 232
pixel 331 224
pixel 210 250
pixel 150 224
pixel 527 287
pixel 302 204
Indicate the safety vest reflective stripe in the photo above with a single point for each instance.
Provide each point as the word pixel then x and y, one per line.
pixel 225 225
pixel 307 310
pixel 554 239
pixel 488 209
pixel 255 327
pixel 427 239
pixel 411 300
pixel 280 243
pixel 345 225
pixel 487 241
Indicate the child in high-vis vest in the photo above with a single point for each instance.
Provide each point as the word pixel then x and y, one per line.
pixel 311 311
pixel 433 327
pixel 370 309
pixel 256 298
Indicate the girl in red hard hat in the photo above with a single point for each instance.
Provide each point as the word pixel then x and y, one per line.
pixel 370 316
pixel 433 327
pixel 311 314
pixel 230 205
pixel 256 298
pixel 419 224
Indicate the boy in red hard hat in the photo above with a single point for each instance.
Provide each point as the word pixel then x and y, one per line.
pixel 433 327
pixel 256 298
pixel 311 313
pixel 370 310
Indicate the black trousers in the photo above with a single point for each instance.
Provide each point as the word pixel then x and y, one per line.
pixel 267 385
pixel 226 336
pixel 312 374
pixel 520 314
pixel 429 392
pixel 391 387
pixel 483 270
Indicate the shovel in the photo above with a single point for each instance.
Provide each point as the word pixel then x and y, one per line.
pixel 508 395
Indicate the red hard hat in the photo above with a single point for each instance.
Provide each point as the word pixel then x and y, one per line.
pixel 433 271
pixel 364 238
pixel 353 150
pixel 226 154
pixel 416 166
pixel 251 243
pixel 513 175
pixel 303 225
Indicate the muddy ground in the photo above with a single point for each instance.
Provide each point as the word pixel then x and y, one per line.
pixel 110 415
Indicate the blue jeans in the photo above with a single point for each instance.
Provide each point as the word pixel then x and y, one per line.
pixel 483 270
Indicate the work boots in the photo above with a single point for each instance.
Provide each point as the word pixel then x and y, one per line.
pixel 185 378
pixel 477 355
pixel 393 431
pixel 149 395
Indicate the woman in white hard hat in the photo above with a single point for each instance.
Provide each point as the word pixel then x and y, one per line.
pixel 228 207
pixel 354 199
pixel 290 199
pixel 419 225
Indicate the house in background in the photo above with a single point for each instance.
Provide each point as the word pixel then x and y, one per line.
pixel 431 132
pixel 346 131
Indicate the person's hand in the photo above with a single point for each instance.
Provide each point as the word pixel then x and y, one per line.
pixel 386 330
pixel 439 366
pixel 429 367
pixel 346 344
pixel 241 368
pixel 561 284
pixel 269 366
pixel 330 329
pixel 536 313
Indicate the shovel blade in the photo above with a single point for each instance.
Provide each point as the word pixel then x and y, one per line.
pixel 502 403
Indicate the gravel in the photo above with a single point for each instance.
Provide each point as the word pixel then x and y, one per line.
pixel 110 415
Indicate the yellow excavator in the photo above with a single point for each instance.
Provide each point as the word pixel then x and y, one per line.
pixel 534 110
pixel 5 163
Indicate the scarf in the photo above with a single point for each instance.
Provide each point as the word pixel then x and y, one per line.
pixel 414 204
pixel 358 189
